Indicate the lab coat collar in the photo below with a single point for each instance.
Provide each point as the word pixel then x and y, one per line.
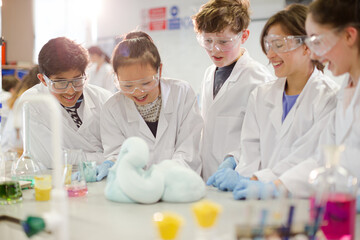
pixel 291 114
pixel 167 107
pixel 234 75
pixel 88 105
pixel 274 98
pixel 345 122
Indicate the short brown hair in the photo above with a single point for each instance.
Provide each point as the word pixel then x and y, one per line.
pixel 216 15
pixel 136 47
pixel 292 21
pixel 60 55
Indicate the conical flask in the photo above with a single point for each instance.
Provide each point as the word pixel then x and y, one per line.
pixel 26 167
pixel 333 204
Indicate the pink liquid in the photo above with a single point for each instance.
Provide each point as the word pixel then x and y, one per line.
pixel 339 217
pixel 77 191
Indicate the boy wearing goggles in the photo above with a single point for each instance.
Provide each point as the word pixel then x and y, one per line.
pixel 221 27
pixel 62 65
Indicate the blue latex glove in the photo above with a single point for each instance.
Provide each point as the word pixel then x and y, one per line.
pixel 229 162
pixel 102 170
pixel 250 189
pixel 225 179
pixel 358 203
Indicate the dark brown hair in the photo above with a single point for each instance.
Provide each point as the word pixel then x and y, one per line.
pixel 336 13
pixel 136 47
pixel 292 21
pixel 216 15
pixel 61 55
pixel 97 51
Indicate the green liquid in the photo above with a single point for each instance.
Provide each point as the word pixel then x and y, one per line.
pixel 10 192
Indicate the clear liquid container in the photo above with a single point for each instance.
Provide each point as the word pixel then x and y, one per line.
pixel 26 167
pixel 333 203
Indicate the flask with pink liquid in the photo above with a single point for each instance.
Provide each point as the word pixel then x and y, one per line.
pixel 333 204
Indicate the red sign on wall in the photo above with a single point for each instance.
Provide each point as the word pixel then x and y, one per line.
pixel 157 18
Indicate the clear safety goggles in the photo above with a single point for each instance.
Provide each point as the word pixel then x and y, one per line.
pixel 321 44
pixel 144 85
pixel 222 44
pixel 61 85
pixel 282 44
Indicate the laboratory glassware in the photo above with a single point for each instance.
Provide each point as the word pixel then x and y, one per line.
pixel 75 182
pixel 333 204
pixel 26 167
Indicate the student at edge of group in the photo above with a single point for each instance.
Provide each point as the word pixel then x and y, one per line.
pixel 62 64
pixel 334 41
pixel 284 118
pixel 221 27
pixel 162 111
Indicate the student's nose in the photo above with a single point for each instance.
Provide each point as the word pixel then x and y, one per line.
pixel 70 89
pixel 313 56
pixel 138 92
pixel 270 53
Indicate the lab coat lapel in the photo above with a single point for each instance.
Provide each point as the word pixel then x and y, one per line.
pixel 134 118
pixel 274 100
pixel 345 122
pixel 89 105
pixel 233 78
pixel 167 107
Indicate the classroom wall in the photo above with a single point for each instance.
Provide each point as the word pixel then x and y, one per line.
pixel 182 56
pixel 18 30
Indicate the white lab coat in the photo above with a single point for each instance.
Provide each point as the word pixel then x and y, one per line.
pixel 269 147
pixel 223 116
pixel 343 128
pixel 87 137
pixel 178 131
pixel 104 77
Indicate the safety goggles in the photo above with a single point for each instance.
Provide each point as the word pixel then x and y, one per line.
pixel 222 44
pixel 61 85
pixel 144 85
pixel 321 44
pixel 282 44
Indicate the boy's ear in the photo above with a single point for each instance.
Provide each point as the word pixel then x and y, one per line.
pixel 245 36
pixel 40 76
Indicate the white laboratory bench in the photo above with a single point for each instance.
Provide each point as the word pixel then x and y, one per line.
pixel 94 217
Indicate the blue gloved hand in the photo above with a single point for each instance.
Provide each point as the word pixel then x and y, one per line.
pixel 250 189
pixel 229 162
pixel 358 203
pixel 225 179
pixel 102 170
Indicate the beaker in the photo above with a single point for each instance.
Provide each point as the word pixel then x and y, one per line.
pixel 10 192
pixel 42 187
pixel 167 224
pixel 74 178
pixel 90 171
pixel 26 167
pixel 333 204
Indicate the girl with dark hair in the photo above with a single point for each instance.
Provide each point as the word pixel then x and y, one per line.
pixel 164 112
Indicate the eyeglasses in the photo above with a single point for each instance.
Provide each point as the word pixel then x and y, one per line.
pixel 144 85
pixel 61 85
pixel 282 44
pixel 321 44
pixel 222 44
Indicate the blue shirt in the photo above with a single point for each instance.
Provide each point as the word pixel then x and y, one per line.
pixel 288 103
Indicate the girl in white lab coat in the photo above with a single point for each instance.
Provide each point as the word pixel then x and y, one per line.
pixel 164 112
pixel 285 116
pixel 100 72
pixel 334 41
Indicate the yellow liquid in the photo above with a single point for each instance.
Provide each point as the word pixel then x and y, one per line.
pixel 42 194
